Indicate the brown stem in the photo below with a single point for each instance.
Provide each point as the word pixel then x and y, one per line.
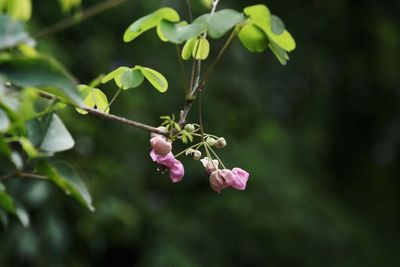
pixel 107 116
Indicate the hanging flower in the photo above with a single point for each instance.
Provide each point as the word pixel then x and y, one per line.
pixel 236 178
pixel 161 153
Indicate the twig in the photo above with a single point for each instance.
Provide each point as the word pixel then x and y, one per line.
pixel 189 10
pixel 195 81
pixel 107 116
pixel 78 17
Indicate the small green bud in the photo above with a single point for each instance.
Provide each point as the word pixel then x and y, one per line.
pixel 190 151
pixel 210 141
pixel 189 127
pixel 221 142
pixel 197 155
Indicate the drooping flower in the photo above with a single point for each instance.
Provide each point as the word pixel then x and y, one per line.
pixel 210 165
pixel 221 179
pixel 161 153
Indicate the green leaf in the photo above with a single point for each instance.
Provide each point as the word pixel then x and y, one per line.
pixel 17 160
pixel 113 74
pixel 93 98
pixel 129 78
pixel 253 38
pixel 40 71
pixel 57 138
pixel 178 33
pixel 284 40
pixel 4 121
pixel 3 218
pixel 34 131
pixel 148 22
pixel 277 25
pixel 20 9
pixel 155 78
pixel 279 53
pixel 68 5
pixel 12 33
pixel 67 179
pixel 220 22
pixel 188 48
pixel 259 16
pixel 201 49
pixel 6 201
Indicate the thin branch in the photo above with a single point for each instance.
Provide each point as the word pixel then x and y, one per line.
pixel 189 10
pixel 78 17
pixel 19 174
pixel 107 116
pixel 182 67
pixel 195 85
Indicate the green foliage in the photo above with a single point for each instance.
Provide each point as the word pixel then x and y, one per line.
pixel 219 23
pixel 260 23
pixel 4 121
pixel 39 71
pixel 68 5
pixel 149 22
pixel 188 49
pixel 126 78
pixel 67 179
pixel 12 33
pixel 6 201
pixel 201 49
pixel 180 32
pixel 18 9
pixel 93 98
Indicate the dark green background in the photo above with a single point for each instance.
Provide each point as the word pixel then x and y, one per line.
pixel 319 136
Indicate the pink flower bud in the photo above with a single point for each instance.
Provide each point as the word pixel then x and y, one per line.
pixel 210 166
pixel 221 179
pixel 177 172
pixel 241 178
pixel 161 145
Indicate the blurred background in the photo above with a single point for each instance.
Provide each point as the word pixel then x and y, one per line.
pixel 319 136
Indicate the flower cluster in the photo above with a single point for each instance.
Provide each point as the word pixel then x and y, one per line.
pixel 220 179
pixel 161 153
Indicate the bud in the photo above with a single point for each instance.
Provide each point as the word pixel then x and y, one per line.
pixel 189 151
pixel 189 128
pixel 197 155
pixel 210 141
pixel 221 142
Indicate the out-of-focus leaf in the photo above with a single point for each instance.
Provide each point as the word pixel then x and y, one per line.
pixel 22 215
pixel 178 33
pixel 6 201
pixel 3 218
pixel 12 33
pixel 68 5
pixel 40 71
pixel 17 160
pixel 57 138
pixel 93 98
pixel 67 179
pixel 4 121
pixel 253 38
pixel 201 49
pixel 187 49
pixel 220 22
pixel 155 78
pixel 28 147
pixel 19 9
pixel 150 21
pixel 260 16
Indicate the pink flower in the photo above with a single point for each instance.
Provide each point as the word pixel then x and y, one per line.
pixel 210 165
pixel 221 179
pixel 161 153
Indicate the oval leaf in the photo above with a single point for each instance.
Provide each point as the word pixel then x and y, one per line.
pixel 277 25
pixel 148 22
pixel 67 179
pixel 201 49
pixel 155 78
pixel 129 78
pixel 220 22
pixel 253 38
pixel 188 48
pixel 113 74
pixel 4 121
pixel 12 33
pixel 177 33
pixel 259 15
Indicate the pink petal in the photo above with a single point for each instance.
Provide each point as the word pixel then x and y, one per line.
pixel 177 172
pixel 161 145
pixel 241 178
pixel 167 160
